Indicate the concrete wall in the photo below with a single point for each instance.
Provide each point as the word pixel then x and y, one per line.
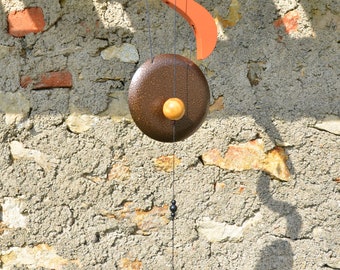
pixel 257 186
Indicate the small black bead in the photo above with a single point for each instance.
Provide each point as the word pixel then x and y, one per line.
pixel 173 202
pixel 173 208
pixel 173 215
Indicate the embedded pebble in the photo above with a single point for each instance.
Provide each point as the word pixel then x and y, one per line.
pixel 330 123
pixel 80 123
pixel 125 53
pixel 15 106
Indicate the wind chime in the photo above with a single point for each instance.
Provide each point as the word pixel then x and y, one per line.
pixel 169 94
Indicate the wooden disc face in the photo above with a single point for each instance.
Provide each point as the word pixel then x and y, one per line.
pixel 154 83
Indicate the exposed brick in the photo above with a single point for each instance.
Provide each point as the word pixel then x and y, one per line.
pixel 29 20
pixel 55 79
pixel 289 21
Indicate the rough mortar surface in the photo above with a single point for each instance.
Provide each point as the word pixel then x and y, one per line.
pixel 82 188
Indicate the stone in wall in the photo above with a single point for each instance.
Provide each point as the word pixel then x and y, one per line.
pixel 125 53
pixel 12 216
pixel 120 171
pixel 18 151
pixel 118 107
pixel 233 16
pixel 251 156
pixel 4 51
pixel 166 163
pixel 80 123
pixel 15 106
pixel 255 70
pixel 218 105
pixel 127 264
pixel 146 221
pixel 220 231
pixel 330 123
pixel 39 256
pixel 3 227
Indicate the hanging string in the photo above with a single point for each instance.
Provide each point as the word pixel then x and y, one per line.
pixel 191 41
pixel 149 28
pixel 175 47
pixel 173 207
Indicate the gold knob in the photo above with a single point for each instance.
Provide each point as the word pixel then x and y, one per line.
pixel 174 109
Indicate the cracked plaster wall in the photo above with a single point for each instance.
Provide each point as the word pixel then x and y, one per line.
pixel 257 185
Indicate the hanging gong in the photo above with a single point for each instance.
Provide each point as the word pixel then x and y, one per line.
pixel 164 77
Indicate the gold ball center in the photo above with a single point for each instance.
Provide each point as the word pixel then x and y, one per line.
pixel 174 109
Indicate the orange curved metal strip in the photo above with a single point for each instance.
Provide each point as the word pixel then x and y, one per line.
pixel 202 22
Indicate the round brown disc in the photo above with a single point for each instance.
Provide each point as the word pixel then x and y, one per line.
pixel 154 83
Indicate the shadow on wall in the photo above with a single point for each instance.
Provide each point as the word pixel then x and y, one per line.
pixel 303 84
pixel 72 41
pixel 285 89
pixel 304 87
pixel 279 253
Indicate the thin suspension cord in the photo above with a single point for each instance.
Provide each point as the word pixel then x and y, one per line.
pixel 173 207
pixel 187 73
pixel 175 47
pixel 149 28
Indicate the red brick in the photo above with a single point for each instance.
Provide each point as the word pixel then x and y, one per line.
pixel 290 21
pixel 29 20
pixel 55 79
